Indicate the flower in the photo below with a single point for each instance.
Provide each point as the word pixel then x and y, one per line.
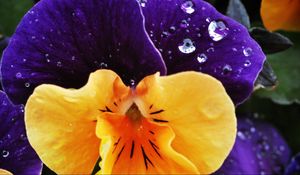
pixel 16 155
pixel 275 15
pixel 259 149
pixel 62 42
pixel 163 125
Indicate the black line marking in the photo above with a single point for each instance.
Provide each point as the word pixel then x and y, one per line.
pixel 116 144
pixel 151 106
pixel 115 104
pixel 155 147
pixel 157 112
pixel 132 149
pixel 160 121
pixel 146 159
pixel 107 109
pixel 119 154
pixel 152 132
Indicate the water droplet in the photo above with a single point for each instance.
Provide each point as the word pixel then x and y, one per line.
pixel 18 75
pixel 241 135
pixel 184 24
pixel 172 29
pixel 5 153
pixel 33 37
pixel 201 58
pixel 143 3
pixel 164 34
pixel 252 129
pixel 23 137
pixel 188 7
pixel 234 49
pixel 103 65
pixel 208 19
pixel 211 49
pixel 27 84
pixel 247 51
pixel 217 30
pixel 247 63
pixel 58 64
pixel 187 46
pixel 73 58
pixel 132 82
pixel 226 69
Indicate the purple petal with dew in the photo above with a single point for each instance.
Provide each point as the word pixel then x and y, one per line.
pixel 193 35
pixel 16 154
pixel 62 41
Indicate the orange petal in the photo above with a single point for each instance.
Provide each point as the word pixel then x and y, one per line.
pixel 138 147
pixel 281 14
pixel 4 172
pixel 61 123
pixel 199 111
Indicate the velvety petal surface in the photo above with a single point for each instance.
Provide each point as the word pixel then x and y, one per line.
pixel 16 154
pixel 62 41
pixel 275 15
pixel 192 35
pixel 259 149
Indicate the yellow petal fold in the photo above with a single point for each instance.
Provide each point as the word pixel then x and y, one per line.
pixel 61 123
pixel 199 111
pixel 281 14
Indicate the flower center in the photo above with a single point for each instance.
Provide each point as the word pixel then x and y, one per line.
pixel 134 113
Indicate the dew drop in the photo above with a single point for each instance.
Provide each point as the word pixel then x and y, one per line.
pixel 5 153
pixel 187 46
pixel 172 29
pixel 226 69
pixel 234 49
pixel 247 51
pixel 143 3
pixel 165 34
pixel 241 135
pixel 18 75
pixel 217 30
pixel 27 84
pixel 188 7
pixel 202 58
pixel 132 82
pixel 58 64
pixel 247 63
pixel 211 49
pixel 184 24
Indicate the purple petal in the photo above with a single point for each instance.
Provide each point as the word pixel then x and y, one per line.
pixel 259 149
pixel 294 167
pixel 16 154
pixel 192 35
pixel 62 41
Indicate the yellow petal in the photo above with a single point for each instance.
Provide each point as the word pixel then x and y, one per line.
pixel 138 147
pixel 199 112
pixel 61 123
pixel 4 172
pixel 281 14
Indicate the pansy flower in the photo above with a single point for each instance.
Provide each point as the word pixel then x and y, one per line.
pixel 283 14
pixel 259 149
pixel 139 120
pixel 16 154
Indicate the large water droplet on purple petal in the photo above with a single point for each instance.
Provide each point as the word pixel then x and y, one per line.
pixel 188 7
pixel 217 30
pixel 187 46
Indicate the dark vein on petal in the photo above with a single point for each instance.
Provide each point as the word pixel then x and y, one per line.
pixel 152 132
pixel 158 120
pixel 115 104
pixel 132 149
pixel 107 109
pixel 119 154
pixel 151 106
pixel 146 159
pixel 155 147
pixel 116 144
pixel 157 112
